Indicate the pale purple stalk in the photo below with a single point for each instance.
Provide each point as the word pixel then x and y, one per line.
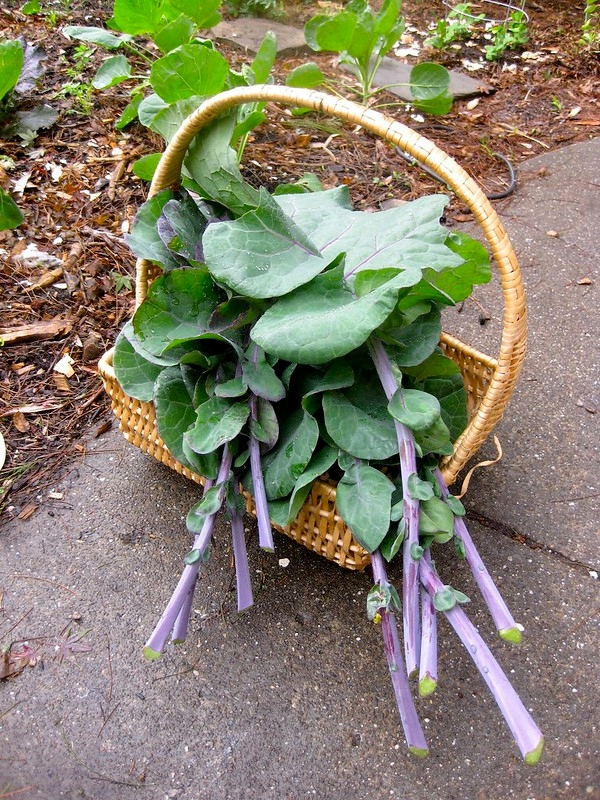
pixel 503 620
pixel 527 735
pixel 180 628
pixel 170 620
pixel 413 732
pixel 240 555
pixel 408 466
pixel 265 533
pixel 429 650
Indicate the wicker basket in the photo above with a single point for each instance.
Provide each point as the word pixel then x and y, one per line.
pixel 489 382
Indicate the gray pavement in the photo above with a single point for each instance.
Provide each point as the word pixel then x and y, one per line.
pixel 292 699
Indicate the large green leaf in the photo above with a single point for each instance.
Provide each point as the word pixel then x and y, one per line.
pixel 323 320
pixel 205 14
pixel 179 31
pixel 287 258
pixel 217 421
pixel 166 118
pixel 358 421
pixel 363 498
pixel 262 379
pixel 333 33
pixel 188 71
pixel 104 38
pixel 10 214
pixel 114 70
pixel 212 163
pixel 135 374
pixel 450 391
pixel 181 226
pixel 177 309
pixel 283 466
pixel 137 16
pixel 11 63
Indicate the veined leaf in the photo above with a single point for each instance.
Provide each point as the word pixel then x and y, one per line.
pixel 179 31
pixel 144 238
pixel 135 374
pixel 284 511
pixel 363 498
pixel 323 320
pixel 283 466
pixel 217 421
pixel 358 421
pixel 415 409
pixel 98 36
pixel 174 411
pixel 114 70
pixel 11 63
pixel 10 214
pixel 177 309
pixel 188 71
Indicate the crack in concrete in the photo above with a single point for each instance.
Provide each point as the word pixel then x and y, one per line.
pixel 528 541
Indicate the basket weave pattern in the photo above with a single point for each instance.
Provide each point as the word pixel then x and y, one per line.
pixel 489 382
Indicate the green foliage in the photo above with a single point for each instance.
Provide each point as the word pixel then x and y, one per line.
pixel 259 327
pixel 363 39
pixel 590 29
pixel 455 27
pixel 254 8
pixel 509 35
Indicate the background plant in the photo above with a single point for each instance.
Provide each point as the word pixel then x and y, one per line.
pixel 590 29
pixel 456 26
pixel 20 71
pixel 363 39
pixel 509 35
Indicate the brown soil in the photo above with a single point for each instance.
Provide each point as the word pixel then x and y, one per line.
pixel 80 194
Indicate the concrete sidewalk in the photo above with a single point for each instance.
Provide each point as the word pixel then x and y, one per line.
pixel 293 700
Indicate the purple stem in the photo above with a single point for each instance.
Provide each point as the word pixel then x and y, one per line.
pixel 408 465
pixel 527 735
pixel 429 651
pixel 170 619
pixel 503 620
pixel 413 732
pixel 180 627
pixel 242 570
pixel 265 533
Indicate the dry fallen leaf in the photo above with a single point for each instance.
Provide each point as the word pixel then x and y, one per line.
pixel 20 422
pixel 585 282
pixel 65 366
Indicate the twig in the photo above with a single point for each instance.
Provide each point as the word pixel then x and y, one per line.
pixel 6 795
pixel 110 671
pixel 115 177
pixel 104 724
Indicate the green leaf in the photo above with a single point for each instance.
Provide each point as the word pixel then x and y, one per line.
pixel 265 427
pixel 322 320
pixel 177 309
pixel 359 423
pixel 137 16
pixel 110 41
pixel 235 387
pixel 114 70
pixel 179 31
pixel 305 76
pixel 416 551
pixel 262 379
pixel 390 546
pixel 174 411
pixel 205 14
pixel 333 33
pixel 130 112
pixel 192 557
pixel 435 439
pixel 444 599
pixel 436 518
pixel 144 239
pixel 135 374
pixel 217 421
pixel 213 165
pixel 181 226
pixel 291 257
pixel 32 7
pixel 363 499
pixel 283 512
pixel 455 506
pixel 11 63
pixel 413 343
pixel 451 394
pixel 10 214
pixel 419 489
pixel 415 409
pixel 265 57
pixel 209 505
pixel 190 70
pixel 339 375
pixel 283 466
pixel 145 167
pixel 428 81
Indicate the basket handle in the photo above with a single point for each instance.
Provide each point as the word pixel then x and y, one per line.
pixel 505 370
